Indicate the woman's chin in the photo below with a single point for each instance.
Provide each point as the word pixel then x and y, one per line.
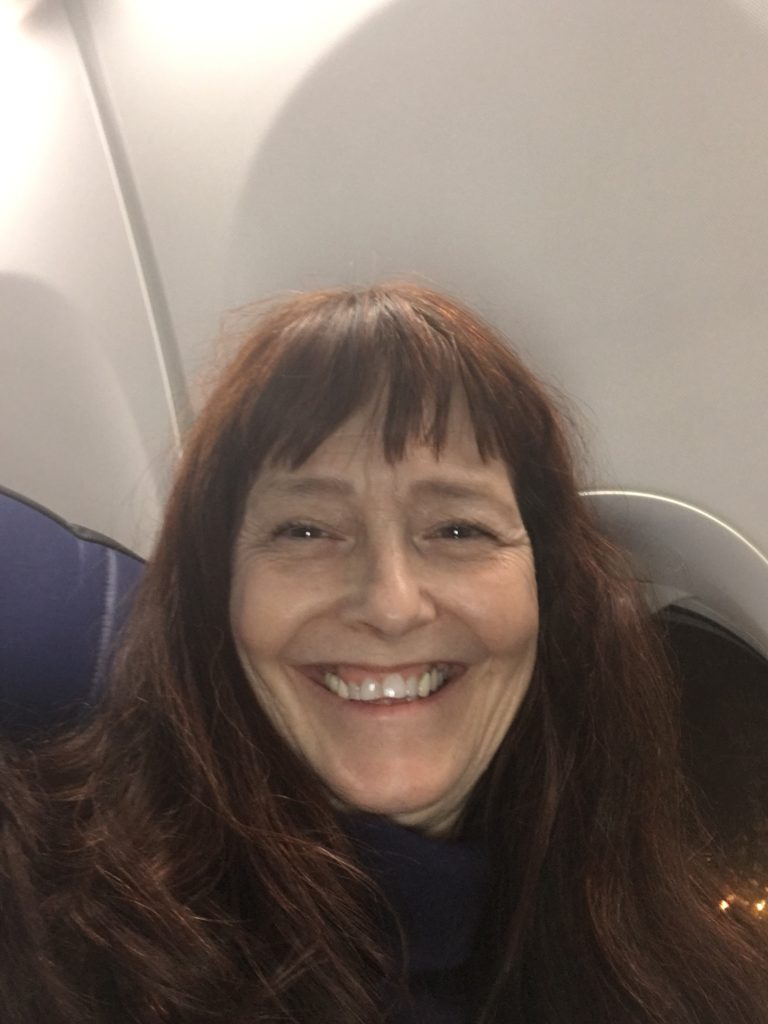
pixel 427 804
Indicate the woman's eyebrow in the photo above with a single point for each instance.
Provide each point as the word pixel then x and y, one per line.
pixel 433 488
pixel 450 489
pixel 300 486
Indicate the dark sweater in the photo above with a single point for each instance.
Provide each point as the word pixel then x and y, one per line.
pixel 437 890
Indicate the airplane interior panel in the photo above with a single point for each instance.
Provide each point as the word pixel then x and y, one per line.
pixel 84 415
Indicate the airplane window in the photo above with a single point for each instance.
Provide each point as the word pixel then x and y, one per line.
pixel 725 721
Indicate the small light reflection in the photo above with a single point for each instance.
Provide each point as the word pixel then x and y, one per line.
pixel 745 902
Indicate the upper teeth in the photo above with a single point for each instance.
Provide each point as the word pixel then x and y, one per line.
pixel 394 686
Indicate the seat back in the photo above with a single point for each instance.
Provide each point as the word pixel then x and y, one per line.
pixel 64 594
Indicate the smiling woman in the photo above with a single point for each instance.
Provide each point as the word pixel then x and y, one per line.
pixel 390 736
pixel 386 615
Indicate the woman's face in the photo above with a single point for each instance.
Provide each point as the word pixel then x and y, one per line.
pixel 386 617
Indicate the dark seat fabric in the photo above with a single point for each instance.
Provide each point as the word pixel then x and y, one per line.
pixel 64 594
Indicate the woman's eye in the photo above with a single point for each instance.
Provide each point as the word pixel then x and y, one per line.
pixel 300 531
pixel 463 531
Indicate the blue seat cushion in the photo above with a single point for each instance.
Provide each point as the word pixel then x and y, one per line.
pixel 64 594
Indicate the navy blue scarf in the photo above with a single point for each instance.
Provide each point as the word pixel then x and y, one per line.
pixel 438 890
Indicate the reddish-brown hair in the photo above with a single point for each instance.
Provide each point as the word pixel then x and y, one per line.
pixel 172 860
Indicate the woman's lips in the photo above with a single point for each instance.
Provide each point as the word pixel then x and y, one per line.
pixel 384 685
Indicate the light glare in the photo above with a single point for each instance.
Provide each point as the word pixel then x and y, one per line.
pixel 219 24
pixel 27 106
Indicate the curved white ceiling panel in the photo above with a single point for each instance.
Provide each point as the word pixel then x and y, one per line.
pixel 592 176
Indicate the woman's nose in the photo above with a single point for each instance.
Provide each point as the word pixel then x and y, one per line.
pixel 389 594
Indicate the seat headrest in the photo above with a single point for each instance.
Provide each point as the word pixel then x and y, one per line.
pixel 64 593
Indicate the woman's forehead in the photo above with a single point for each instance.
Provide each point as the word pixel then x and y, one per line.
pixel 353 460
pixel 362 437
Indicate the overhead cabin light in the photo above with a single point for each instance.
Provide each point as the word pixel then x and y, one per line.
pixel 212 24
pixel 27 103
pixel 13 12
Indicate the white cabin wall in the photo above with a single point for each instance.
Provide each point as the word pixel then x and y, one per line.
pixel 85 421
pixel 196 88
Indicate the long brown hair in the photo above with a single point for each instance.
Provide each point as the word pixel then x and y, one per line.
pixel 172 860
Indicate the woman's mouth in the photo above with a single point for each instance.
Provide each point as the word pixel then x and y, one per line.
pixel 416 682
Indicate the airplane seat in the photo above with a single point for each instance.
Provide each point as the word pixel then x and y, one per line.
pixel 64 593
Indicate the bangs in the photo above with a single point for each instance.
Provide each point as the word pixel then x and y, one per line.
pixel 388 352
